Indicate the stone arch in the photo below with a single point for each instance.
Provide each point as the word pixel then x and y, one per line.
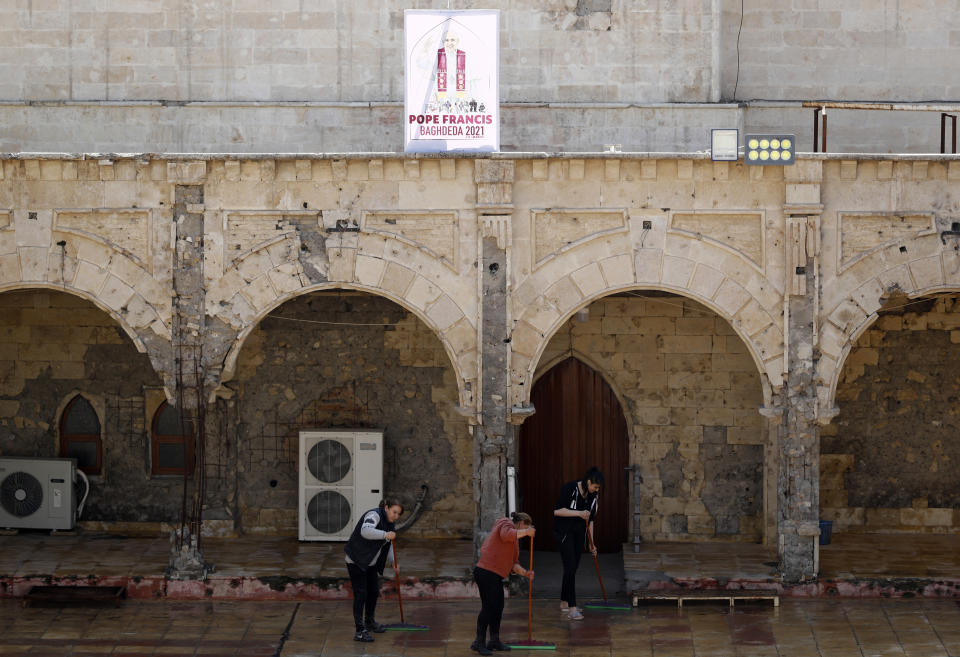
pixel 717 278
pixel 380 265
pixel 230 362
pixel 98 271
pixel 86 296
pixel 923 267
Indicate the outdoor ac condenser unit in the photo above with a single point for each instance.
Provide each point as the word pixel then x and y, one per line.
pixel 341 477
pixel 37 493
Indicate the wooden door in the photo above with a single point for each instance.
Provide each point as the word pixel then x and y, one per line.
pixel 578 423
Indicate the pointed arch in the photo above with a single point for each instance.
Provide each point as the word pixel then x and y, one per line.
pixel 230 361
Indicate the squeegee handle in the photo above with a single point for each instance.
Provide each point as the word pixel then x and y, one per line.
pixel 596 562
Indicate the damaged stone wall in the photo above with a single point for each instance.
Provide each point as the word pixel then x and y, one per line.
pixel 55 345
pixel 348 359
pixel 889 459
pixel 691 392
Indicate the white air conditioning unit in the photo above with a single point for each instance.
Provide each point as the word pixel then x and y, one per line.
pixel 37 493
pixel 341 477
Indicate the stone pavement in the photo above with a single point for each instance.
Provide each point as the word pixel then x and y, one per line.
pixel 798 628
pixel 282 568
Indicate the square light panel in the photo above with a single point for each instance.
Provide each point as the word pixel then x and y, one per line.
pixel 723 144
pixel 769 149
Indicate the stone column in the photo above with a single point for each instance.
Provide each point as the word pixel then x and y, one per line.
pixel 798 481
pixel 493 436
pixel 186 558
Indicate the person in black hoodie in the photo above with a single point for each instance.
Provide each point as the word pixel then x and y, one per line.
pixel 573 516
pixel 367 554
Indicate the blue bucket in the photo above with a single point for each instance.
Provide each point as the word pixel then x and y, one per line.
pixel 826 531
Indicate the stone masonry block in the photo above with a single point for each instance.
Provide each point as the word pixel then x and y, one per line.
pixel 611 170
pixel 803 171
pixel 231 170
pixel 89 277
pixel 370 270
pixel 448 169
pixel 115 293
pixel 50 170
pixel 304 169
pixel 884 170
pixel 268 170
pixel 564 294
pixel 706 281
pixel 286 278
pixel 33 263
pixel 31 169
pixel 411 169
pixel 540 170
pixel 684 169
pixel 260 292
pixel 10 267
pixel 444 313
pixel 396 279
pixel 342 264
pixel 953 170
pixel 618 270
pixel 802 194
pixel 187 173
pixel 422 293
pixel 648 169
pixel 848 170
pixel 576 169
pixel 493 171
pixel 648 265
pixel 589 280
pixel 927 272
pixel 677 271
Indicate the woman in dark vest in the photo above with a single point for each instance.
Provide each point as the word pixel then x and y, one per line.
pixel 368 551
pixel 573 516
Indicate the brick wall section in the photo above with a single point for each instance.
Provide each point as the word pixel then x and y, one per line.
pixel 690 392
pixel 389 373
pixel 53 346
pixel 889 459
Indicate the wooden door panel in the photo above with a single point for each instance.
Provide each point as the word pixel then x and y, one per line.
pixel 579 423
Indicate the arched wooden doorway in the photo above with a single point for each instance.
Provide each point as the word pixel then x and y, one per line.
pixel 578 423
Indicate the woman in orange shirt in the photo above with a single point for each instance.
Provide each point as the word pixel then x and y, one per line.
pixel 499 556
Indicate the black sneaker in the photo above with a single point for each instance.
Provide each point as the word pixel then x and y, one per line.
pixel 363 635
pixel 373 626
pixel 479 648
pixel 497 644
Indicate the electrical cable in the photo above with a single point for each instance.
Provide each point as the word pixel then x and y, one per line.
pixel 737 82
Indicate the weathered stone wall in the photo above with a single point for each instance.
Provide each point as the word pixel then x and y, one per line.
pixel 55 346
pixel 347 359
pixel 691 393
pixel 889 459
pixel 302 76
pixel 806 50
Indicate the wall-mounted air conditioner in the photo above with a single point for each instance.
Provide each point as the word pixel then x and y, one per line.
pixel 341 477
pixel 38 493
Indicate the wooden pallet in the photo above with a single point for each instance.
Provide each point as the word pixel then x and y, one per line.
pixel 730 597
pixel 68 594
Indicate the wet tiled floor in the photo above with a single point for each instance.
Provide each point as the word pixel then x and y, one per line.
pixel 798 628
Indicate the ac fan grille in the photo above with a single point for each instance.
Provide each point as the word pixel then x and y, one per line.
pixel 329 461
pixel 328 512
pixel 21 494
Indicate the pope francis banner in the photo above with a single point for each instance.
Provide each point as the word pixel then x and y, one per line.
pixel 452 93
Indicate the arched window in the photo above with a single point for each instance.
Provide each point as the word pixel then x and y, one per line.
pixel 80 435
pixel 172 442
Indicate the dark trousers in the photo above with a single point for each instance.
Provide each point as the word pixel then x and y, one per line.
pixel 366 589
pixel 570 549
pixel 490 586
